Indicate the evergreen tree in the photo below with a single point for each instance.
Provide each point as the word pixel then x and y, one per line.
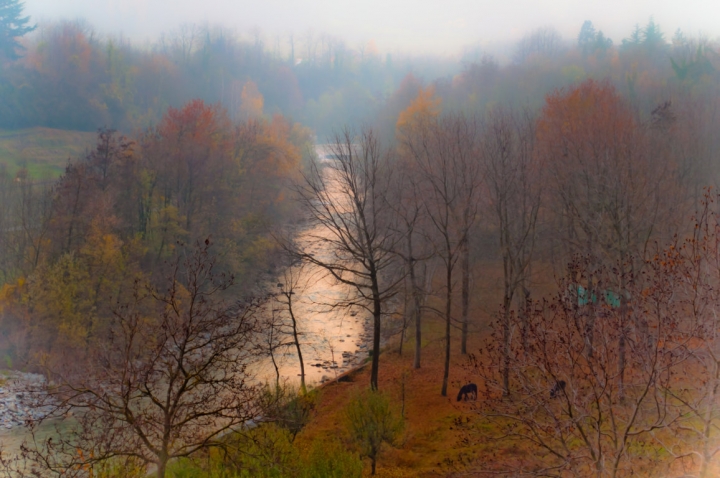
pixel 635 38
pixel 586 38
pixel 602 43
pixel 652 37
pixel 12 26
pixel 591 41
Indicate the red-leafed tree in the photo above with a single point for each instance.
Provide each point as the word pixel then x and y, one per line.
pixel 195 153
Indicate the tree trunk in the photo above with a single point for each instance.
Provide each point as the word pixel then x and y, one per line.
pixel 275 366
pixel 448 308
pixel 297 343
pixel 506 343
pixel 590 322
pixel 418 326
pixel 708 418
pixel 622 345
pixel 162 465
pixel 621 363
pixel 623 332
pixel 404 324
pixel 465 252
pixel 416 303
pixel 376 332
pixel 524 313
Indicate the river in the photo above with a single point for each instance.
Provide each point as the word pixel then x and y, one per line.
pixel 333 340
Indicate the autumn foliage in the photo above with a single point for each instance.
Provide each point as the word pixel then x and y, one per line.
pixel 607 185
pixel 424 108
pixel 118 214
pixel 648 416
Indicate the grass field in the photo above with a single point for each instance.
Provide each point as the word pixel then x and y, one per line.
pixel 435 441
pixel 43 151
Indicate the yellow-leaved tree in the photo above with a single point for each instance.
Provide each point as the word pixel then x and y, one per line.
pixel 425 108
pixel 251 102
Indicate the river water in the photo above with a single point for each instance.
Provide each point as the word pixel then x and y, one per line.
pixel 333 340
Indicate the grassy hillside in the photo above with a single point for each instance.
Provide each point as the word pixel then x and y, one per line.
pixel 437 440
pixel 43 151
pixel 443 437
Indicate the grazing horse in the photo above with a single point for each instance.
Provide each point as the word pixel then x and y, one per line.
pixel 559 387
pixel 468 391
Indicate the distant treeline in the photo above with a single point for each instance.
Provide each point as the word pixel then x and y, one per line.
pixel 72 78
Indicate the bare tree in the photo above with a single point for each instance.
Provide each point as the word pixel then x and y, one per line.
pixel 545 42
pixel 612 196
pixel 413 248
pixel 566 405
pixel 514 187
pixel 182 42
pixel 170 379
pixel 348 201
pixel 292 282
pixel 693 277
pixel 272 339
pixel 446 154
pixel 31 226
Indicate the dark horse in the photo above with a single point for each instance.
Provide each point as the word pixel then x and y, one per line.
pixel 468 391
pixel 557 388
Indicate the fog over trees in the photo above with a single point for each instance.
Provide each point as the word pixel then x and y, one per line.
pixel 541 225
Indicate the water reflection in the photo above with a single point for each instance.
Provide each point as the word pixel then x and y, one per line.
pixel 333 339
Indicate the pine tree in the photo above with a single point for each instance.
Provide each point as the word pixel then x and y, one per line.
pixel 652 36
pixel 635 38
pixel 586 38
pixel 12 26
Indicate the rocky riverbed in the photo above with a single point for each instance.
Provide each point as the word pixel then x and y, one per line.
pixel 19 404
pixel 350 357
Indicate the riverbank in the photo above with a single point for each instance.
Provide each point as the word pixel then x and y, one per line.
pixel 17 405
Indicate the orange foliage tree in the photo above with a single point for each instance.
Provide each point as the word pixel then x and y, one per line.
pixel 422 110
pixel 195 152
pixel 607 189
pixel 251 101
pixel 412 123
pixel 609 195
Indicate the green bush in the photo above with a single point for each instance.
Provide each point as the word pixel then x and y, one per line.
pixel 118 467
pixel 266 452
pixel 288 407
pixel 372 422
pixel 212 467
pixel 330 460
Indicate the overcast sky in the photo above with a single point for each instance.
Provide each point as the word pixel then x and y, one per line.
pixel 434 26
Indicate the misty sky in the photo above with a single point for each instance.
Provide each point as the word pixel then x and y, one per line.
pixel 434 26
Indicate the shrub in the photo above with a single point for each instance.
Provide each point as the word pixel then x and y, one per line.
pixel 372 423
pixel 330 460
